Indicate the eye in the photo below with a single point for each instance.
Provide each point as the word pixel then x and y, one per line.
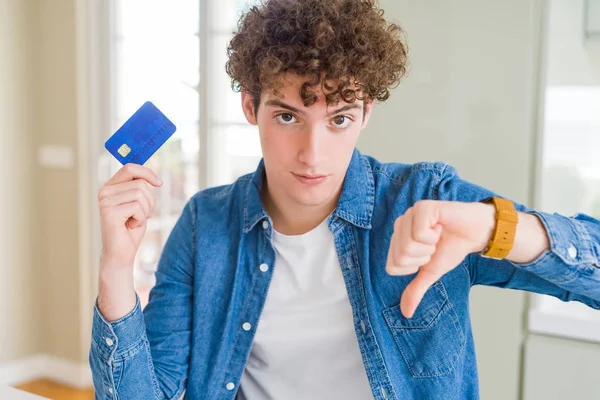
pixel 286 119
pixel 341 121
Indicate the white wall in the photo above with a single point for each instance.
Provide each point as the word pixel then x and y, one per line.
pixel 470 100
pixel 19 286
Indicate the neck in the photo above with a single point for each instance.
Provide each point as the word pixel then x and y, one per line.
pixel 292 218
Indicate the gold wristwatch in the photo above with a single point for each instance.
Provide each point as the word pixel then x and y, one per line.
pixel 503 239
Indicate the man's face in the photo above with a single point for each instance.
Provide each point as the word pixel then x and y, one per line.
pixel 306 149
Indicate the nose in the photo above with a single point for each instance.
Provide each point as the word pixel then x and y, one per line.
pixel 311 146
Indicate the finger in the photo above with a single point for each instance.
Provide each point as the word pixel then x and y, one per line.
pixel 396 258
pixel 407 266
pixel 128 214
pixel 136 220
pixel 426 228
pixel 447 256
pixel 414 249
pixel 128 196
pixel 139 184
pixel 400 238
pixel 133 171
pixel 406 247
pixel 132 223
pixel 404 251
pixel 414 292
pixel 110 190
pixel 406 226
pixel 401 271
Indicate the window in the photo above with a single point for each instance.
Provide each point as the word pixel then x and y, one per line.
pixel 173 53
pixel 570 184
pixel 570 167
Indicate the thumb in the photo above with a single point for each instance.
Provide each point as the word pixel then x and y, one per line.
pixel 414 292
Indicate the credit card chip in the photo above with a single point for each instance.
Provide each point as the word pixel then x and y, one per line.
pixel 124 150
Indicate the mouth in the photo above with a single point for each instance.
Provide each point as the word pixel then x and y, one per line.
pixel 310 179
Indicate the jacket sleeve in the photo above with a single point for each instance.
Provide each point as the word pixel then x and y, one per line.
pixel 568 270
pixel 146 355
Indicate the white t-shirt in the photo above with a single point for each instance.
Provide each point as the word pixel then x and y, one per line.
pixel 305 346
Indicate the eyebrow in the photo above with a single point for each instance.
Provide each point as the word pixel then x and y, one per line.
pixel 352 106
pixel 279 103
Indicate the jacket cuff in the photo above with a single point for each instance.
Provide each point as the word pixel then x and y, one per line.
pixel 570 246
pixel 120 339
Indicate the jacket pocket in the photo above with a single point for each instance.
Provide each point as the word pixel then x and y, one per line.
pixel 432 340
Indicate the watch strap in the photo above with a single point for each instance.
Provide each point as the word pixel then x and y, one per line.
pixel 503 239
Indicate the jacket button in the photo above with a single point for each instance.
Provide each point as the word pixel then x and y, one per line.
pixel 572 251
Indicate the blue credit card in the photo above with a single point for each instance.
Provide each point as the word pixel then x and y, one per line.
pixel 141 135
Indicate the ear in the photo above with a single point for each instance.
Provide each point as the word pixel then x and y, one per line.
pixel 248 107
pixel 368 109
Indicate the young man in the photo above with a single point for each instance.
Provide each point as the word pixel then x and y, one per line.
pixel 325 274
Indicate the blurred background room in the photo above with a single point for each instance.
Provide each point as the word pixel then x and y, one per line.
pixel 507 91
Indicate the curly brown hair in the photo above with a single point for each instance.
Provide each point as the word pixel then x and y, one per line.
pixel 333 43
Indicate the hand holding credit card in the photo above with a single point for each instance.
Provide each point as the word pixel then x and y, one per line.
pixel 126 200
pixel 141 135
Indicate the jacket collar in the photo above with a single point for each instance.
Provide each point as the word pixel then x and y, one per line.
pixel 355 204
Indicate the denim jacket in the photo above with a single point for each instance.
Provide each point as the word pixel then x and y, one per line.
pixel 215 269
